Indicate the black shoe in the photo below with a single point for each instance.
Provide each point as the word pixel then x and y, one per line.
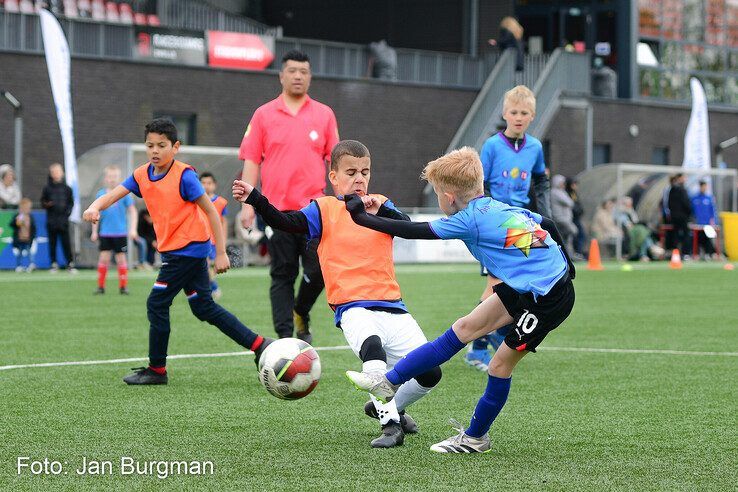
pixel 145 375
pixel 392 436
pixel 99 291
pixel 302 327
pixel 409 426
pixel 260 350
pixel 124 291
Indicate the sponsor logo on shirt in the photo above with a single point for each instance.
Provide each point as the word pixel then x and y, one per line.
pixel 514 172
pixel 524 175
pixel 504 173
pixel 313 135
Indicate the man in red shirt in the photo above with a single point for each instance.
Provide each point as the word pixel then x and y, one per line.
pixel 288 143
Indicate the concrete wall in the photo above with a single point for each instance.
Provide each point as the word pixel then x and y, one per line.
pixel 403 126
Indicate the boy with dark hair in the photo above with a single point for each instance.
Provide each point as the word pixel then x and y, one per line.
pixel 181 211
pixel 113 231
pixel 521 248
pixel 360 281
pixel 221 206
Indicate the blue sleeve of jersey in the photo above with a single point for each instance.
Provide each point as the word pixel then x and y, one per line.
pixel 312 213
pixel 225 211
pixel 486 157
pixel 190 187
pixel 454 227
pixel 540 166
pixel 131 185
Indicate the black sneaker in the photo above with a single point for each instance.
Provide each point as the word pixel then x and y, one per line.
pixel 409 426
pixel 124 291
pixel 260 350
pixel 392 435
pixel 302 327
pixel 99 291
pixel 145 375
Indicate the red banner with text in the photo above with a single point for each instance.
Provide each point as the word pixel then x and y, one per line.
pixel 239 50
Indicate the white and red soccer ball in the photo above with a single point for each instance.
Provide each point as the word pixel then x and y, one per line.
pixel 289 368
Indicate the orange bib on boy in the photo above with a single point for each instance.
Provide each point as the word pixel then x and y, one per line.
pixel 220 205
pixel 177 222
pixel 357 262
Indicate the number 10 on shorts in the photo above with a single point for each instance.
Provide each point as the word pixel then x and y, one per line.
pixel 527 323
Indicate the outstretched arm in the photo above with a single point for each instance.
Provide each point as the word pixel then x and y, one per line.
pixel 294 222
pixel 399 228
pixel 92 214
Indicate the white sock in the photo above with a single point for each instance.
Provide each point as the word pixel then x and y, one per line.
pixel 409 393
pixel 386 411
pixel 374 366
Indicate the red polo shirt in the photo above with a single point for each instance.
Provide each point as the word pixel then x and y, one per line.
pixel 291 149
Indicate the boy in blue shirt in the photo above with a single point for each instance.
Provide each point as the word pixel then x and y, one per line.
pixel 519 247
pixel 113 231
pixel 512 161
pixel 703 207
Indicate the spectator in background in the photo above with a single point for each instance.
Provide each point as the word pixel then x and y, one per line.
pixel 10 193
pixel 666 214
pixel 562 211
pixel 572 186
pixel 287 144
pixel 680 211
pixel 604 80
pixel 604 228
pixel 382 61
pixel 58 201
pixel 511 36
pixel 146 242
pixel 24 233
pixel 640 244
pixel 703 206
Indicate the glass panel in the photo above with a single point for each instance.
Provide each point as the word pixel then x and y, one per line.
pixel 649 83
pixel 731 90
pixel 672 19
pixel 693 19
pixel 674 86
pixel 714 89
pixel 692 53
pixel 733 61
pixel 671 55
pixel 711 59
pixel 715 32
pixel 649 18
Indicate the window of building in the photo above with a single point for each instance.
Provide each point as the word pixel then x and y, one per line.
pixel 186 124
pixel 660 156
pixel 601 154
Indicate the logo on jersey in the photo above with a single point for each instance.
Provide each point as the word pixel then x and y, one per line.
pixel 524 234
pixel 524 175
pixel 514 172
pixel 505 174
pixel 313 135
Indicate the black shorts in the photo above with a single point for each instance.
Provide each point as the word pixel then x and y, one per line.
pixel 115 244
pixel 534 319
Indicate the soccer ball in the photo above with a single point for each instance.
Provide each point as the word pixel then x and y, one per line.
pixel 289 368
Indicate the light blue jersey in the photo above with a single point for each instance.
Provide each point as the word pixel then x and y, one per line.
pixel 508 171
pixel 509 242
pixel 113 220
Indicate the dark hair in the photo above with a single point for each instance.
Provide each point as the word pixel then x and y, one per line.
pixel 354 148
pixel 703 182
pixel 295 55
pixel 162 126
pixel 207 174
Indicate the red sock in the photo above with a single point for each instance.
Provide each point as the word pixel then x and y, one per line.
pixel 257 343
pixel 123 276
pixel 159 370
pixel 102 271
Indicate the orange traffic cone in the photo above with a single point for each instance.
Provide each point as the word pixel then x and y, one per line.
pixel 676 260
pixel 594 262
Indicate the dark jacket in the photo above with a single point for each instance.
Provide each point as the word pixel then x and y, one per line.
pixel 680 206
pixel 508 40
pixel 58 201
pixel 16 229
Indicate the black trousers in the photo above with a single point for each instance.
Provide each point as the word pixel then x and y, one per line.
pixel 191 275
pixel 287 250
pixel 62 233
pixel 705 243
pixel 682 236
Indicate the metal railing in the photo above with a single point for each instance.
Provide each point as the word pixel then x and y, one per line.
pixel 191 14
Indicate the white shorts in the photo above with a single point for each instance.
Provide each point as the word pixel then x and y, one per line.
pixel 399 332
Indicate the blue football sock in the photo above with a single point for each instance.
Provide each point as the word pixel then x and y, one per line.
pixel 480 343
pixel 426 357
pixel 489 406
pixel 213 285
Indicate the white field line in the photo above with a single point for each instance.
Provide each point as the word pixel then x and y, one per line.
pixel 346 347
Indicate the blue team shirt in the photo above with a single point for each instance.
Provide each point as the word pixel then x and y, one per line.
pixel 190 189
pixel 508 172
pixel 315 228
pixel 114 220
pixel 500 236
pixel 703 207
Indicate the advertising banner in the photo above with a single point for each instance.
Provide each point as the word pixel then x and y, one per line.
pixel 179 46
pixel 239 50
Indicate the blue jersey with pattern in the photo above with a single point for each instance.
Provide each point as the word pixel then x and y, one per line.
pixel 315 227
pixel 507 171
pixel 114 219
pixel 509 242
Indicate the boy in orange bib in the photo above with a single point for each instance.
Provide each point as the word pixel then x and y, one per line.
pixel 360 282
pixel 181 211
